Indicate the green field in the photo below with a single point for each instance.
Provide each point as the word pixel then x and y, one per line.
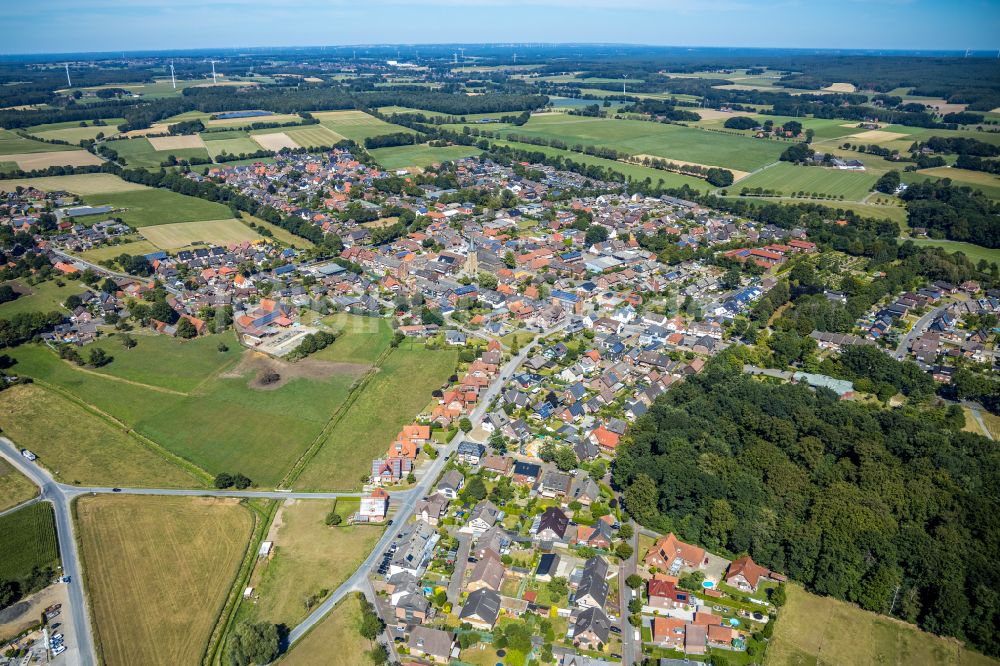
pixel 72 132
pixel 43 297
pixel 78 446
pixel 313 135
pixel 157 206
pixel 362 339
pixel 987 183
pixel 790 178
pixel 139 152
pixel 894 213
pixel 422 155
pixel 233 146
pixel 338 630
pixel 213 232
pixel 394 396
pixel 14 486
pixel 13 144
pixel 138 247
pixel 973 252
pixel 821 631
pixel 86 183
pixel 28 540
pixel 638 137
pixel 356 125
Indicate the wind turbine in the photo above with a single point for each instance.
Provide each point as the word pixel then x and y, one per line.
pixel 624 78
pixel 455 57
pixel 463 53
pixel 69 83
pixel 213 73
pixel 173 80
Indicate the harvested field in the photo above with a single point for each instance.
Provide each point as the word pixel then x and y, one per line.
pixel 314 135
pixel 176 142
pixel 182 234
pixel 876 136
pixel 307 368
pixel 275 141
pixel 158 571
pixel 713 114
pixel 156 128
pixel 249 120
pixel 32 161
pixel 840 87
pixel 737 174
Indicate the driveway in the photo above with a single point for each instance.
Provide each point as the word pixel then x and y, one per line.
pixel 462 561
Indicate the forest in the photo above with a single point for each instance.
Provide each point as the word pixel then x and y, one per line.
pixel 893 509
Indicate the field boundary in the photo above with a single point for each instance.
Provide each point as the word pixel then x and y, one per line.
pixel 142 440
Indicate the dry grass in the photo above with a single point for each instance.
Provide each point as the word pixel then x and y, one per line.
pixel 713 114
pixel 275 141
pixel 83 184
pixel 840 87
pixel 32 161
pixel 182 234
pixel 308 557
pixel 876 136
pixel 737 174
pixel 158 571
pixel 176 142
pixel 14 486
pixel 335 641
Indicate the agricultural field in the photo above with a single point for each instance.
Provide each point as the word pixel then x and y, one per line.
pixel 973 252
pixel 790 178
pixel 158 571
pixel 225 423
pixel 391 399
pixel 79 446
pixel 38 160
pixel 139 152
pixel 12 143
pixel 43 297
pixel 987 183
pixel 14 486
pixel 421 156
pixel 313 135
pixel 362 339
pixel 335 641
pixel 28 540
pixel 139 247
pixel 234 145
pixel 82 184
pixel 183 234
pixel 308 559
pixel 73 132
pixel 822 631
pixel 148 207
pixel 356 125
pixel 668 141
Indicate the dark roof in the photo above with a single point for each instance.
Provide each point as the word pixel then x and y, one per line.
pixel 484 604
pixel 553 518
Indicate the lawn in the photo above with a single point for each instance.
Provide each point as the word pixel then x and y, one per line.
pixel 309 559
pixel 212 232
pixel 43 297
pixel 148 207
pixel 822 631
pixel 422 155
pixel 282 235
pixel 28 540
pixel 14 486
pixel 335 641
pixel 82 184
pixel 394 396
pixel 356 125
pixel 362 339
pixel 790 178
pixel 158 571
pixel 14 144
pixel 78 446
pixel 637 137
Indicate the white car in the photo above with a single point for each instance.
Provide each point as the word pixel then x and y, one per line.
pixel 28 454
pixel 59 650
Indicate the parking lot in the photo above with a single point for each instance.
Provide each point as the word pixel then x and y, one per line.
pixel 55 643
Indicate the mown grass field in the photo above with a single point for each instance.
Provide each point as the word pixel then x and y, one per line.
pixel 987 183
pixel 822 631
pixel 894 213
pixel 973 252
pixel 139 247
pixel 43 297
pixel 12 143
pixel 14 486
pixel 394 396
pixel 282 235
pixel 220 424
pixel 139 152
pixel 638 137
pixel 72 132
pixel 158 571
pixel 335 641
pixel 422 155
pixel 77 446
pixel 28 540
pixel 82 184
pixel 308 558
pixel 314 135
pixel 214 232
pixel 362 339
pixel 790 178
pixel 150 206
pixel 233 146
pixel 356 125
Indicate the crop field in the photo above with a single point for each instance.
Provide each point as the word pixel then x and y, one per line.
pixel 791 178
pixel 233 146
pixel 79 446
pixel 12 143
pixel 73 132
pixel 169 143
pixel 314 135
pixel 34 161
pixel 356 125
pixel 82 184
pixel 139 247
pixel 158 571
pixel 423 155
pixel 43 297
pixel 182 234
pixel 394 396
pixel 139 152
pixel 223 424
pixel 821 631
pixel 28 540
pixel 149 207
pixel 274 141
pixel 663 140
pixel 335 641
pixel 308 558
pixel 14 486
pixel 246 122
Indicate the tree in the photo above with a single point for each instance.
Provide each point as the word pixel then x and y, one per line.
pixel 371 625
pixel 333 518
pixel 625 531
pixel 475 489
pixel 99 358
pixel 598 469
pixel 465 424
pixel 719 177
pixel 596 233
pixel 634 581
pixel 623 550
pixel 498 442
pixel 185 329
pixel 640 499
pixel 798 152
pixel 241 482
pixel 253 643
pixel 161 311
pixel 565 459
pixel 128 342
pixel 223 480
pixel 379 654
pixel 740 123
pixel 888 183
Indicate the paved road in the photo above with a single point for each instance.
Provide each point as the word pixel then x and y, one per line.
pixel 83 652
pixel 462 561
pixel 917 330
pixel 631 650
pixel 73 491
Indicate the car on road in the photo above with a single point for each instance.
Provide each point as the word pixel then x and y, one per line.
pixel 28 454
pixel 615 656
pixel 116 490
pixel 615 630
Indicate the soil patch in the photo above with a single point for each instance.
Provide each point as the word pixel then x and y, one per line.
pixel 841 87
pixel 261 365
pixel 26 612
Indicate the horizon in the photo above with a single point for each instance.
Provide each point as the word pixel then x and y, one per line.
pixel 104 26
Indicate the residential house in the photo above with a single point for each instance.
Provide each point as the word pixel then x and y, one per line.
pixel 670 553
pixel 488 572
pixel 591 629
pixel 431 644
pixel 552 525
pixel 451 483
pixel 746 575
pixel 484 516
pixel 481 608
pixel 592 590
pixel 470 453
pixel 665 594
pixel 374 506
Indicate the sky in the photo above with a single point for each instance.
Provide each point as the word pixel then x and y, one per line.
pixel 64 26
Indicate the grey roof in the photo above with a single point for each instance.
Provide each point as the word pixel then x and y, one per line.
pixel 554 519
pixel 431 641
pixel 594 582
pixel 594 620
pixel 483 604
